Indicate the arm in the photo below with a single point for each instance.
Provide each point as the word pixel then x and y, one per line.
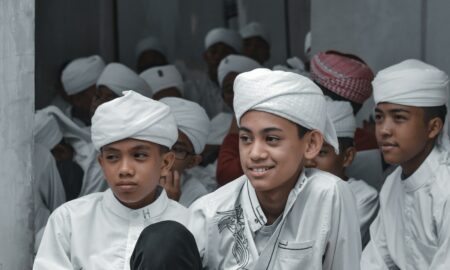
pixel 228 162
pixel 199 228
pixel 367 210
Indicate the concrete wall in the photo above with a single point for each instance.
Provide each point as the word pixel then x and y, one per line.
pixel 16 123
pixel 298 12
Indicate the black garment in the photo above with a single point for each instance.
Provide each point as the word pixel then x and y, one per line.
pixel 166 245
pixel 72 177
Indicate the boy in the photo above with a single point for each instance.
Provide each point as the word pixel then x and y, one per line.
pixel 341 114
pixel 412 229
pixel 256 42
pixel 165 81
pixel 99 231
pixel 193 129
pixel 150 52
pixel 279 215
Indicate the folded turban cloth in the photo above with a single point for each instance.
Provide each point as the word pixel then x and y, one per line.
pixel 341 114
pixel 46 130
pixel 163 77
pixel 287 95
pixel 191 119
pixel 150 44
pixel 133 116
pixel 413 83
pixel 227 36
pixel 220 125
pixel 343 75
pixel 81 73
pixel 254 29
pixel 235 63
pixel 119 78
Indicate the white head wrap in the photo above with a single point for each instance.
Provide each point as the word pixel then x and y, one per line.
pixel 220 125
pixel 235 63
pixel 341 114
pixel 227 36
pixel 133 116
pixel 150 43
pixel 46 130
pixel 163 77
pixel 191 119
pixel 254 29
pixel 287 95
pixel 413 83
pixel 81 73
pixel 119 78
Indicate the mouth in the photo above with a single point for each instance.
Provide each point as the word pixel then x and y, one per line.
pixel 126 186
pixel 259 171
pixel 388 146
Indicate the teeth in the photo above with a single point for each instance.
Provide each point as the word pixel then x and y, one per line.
pixel 260 170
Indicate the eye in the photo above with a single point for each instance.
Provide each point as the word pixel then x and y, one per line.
pixel 323 153
pixel 378 118
pixel 112 157
pixel 399 118
pixel 272 139
pixel 140 155
pixel 245 138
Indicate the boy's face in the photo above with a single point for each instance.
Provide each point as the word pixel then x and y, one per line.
pixel 102 95
pixel 401 132
pixel 81 103
pixel 213 55
pixel 257 49
pixel 185 157
pixel 227 88
pixel 271 151
pixel 149 59
pixel 133 168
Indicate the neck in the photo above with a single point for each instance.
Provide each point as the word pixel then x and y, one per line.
pixel 410 166
pixel 139 204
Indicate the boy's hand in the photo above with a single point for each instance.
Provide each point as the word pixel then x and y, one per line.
pixel 171 183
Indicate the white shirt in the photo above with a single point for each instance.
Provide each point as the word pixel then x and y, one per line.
pixel 366 203
pixel 412 229
pixel 206 175
pixel 98 232
pixel 191 190
pixel 319 228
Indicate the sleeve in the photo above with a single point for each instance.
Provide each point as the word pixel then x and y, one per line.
pixel 441 259
pixel 198 226
pixel 54 250
pixel 367 210
pixel 50 186
pixel 344 241
pixel 228 162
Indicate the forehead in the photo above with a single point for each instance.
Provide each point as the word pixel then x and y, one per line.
pixel 220 46
pixel 256 40
pixel 387 107
pixel 130 144
pixel 183 140
pixel 256 121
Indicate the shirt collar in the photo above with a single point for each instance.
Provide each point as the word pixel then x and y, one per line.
pixel 424 174
pixel 145 213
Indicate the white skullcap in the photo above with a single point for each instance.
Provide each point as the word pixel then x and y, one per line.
pixel 235 63
pixel 220 125
pixel 163 77
pixel 81 73
pixel 341 114
pixel 191 119
pixel 254 29
pixel 413 83
pixel 150 43
pixel 227 36
pixel 287 95
pixel 119 78
pixel 133 116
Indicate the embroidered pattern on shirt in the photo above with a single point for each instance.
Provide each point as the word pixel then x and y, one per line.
pixel 233 221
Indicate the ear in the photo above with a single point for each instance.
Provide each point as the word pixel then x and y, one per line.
pixel 349 156
pixel 194 161
pixel 167 162
pixel 100 159
pixel 435 126
pixel 314 142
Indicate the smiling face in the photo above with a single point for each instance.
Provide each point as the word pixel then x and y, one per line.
pixel 133 168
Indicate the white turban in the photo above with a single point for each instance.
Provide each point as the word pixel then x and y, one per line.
pixel 254 29
pixel 133 116
pixel 235 63
pixel 150 43
pixel 119 78
pixel 227 36
pixel 81 73
pixel 287 95
pixel 46 130
pixel 413 83
pixel 220 125
pixel 341 114
pixel 191 119
pixel 163 77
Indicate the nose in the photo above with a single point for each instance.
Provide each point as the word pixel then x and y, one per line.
pixel 126 168
pixel 258 151
pixel 310 163
pixel 384 129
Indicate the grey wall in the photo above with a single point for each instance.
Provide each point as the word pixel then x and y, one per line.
pixel 16 123
pixel 298 12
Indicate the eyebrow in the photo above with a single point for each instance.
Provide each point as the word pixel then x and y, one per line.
pixel 265 130
pixel 393 111
pixel 137 147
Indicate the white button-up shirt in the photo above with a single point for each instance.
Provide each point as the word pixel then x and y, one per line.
pixel 191 189
pixel 319 228
pixel 98 232
pixel 412 229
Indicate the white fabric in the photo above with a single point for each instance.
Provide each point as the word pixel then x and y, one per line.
pixel 366 204
pixel 220 125
pixel 235 63
pixel 191 189
pixel 163 77
pixel 150 43
pixel 287 95
pixel 414 83
pixel 81 73
pixel 412 229
pixel 254 29
pixel 341 114
pixel 319 228
pixel 307 46
pixel 119 78
pixel 46 129
pixel 191 119
pixel 227 36
pixel 205 175
pixel 295 65
pixel 133 116
pixel 367 165
pixel 98 232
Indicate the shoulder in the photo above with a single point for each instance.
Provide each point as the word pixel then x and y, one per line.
pixel 80 206
pixel 362 189
pixel 319 181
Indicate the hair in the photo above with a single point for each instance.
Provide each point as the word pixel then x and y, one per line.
pixel 356 106
pixel 433 112
pixel 163 149
pixel 345 143
pixel 302 131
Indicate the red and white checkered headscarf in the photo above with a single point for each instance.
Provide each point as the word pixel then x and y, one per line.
pixel 343 75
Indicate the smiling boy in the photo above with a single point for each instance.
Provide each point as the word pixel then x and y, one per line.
pixel 99 231
pixel 279 215
pixel 412 229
